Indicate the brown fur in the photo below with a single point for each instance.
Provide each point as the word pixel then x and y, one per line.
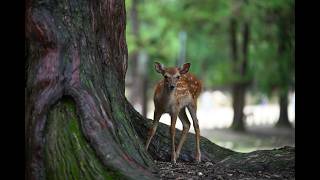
pixel 187 81
pixel 174 101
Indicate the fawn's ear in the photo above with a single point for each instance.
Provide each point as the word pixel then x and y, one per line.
pixel 184 68
pixel 159 67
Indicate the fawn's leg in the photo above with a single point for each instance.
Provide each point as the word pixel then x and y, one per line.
pixel 193 111
pixel 173 133
pixel 186 126
pixel 152 131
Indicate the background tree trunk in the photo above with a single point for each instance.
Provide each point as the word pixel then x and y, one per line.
pixel 238 103
pixel 78 122
pixel 145 82
pixel 138 78
pixel 240 68
pixel 283 116
pixel 284 46
pixel 133 57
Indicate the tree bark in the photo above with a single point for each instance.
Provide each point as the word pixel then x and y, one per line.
pixel 283 116
pixel 78 49
pixel 240 68
pixel 238 103
pixel 284 47
pixel 78 123
pixel 138 82
pixel 145 83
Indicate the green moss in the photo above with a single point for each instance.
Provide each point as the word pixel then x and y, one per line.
pixel 67 154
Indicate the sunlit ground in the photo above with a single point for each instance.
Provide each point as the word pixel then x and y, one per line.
pixel 215 116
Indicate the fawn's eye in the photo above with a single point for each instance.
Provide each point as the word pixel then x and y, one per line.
pixel 178 77
pixel 165 76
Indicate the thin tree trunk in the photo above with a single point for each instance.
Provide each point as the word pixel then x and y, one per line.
pixel 240 68
pixel 283 39
pixel 283 116
pixel 233 40
pixel 145 95
pixel 136 95
pixel 238 96
pixel 245 48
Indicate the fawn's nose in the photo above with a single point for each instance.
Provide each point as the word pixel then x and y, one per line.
pixel 172 87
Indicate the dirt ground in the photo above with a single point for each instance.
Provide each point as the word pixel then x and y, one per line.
pixel 256 138
pixel 210 170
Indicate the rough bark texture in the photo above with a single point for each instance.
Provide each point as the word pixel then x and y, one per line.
pixel 276 161
pixel 78 122
pixel 77 48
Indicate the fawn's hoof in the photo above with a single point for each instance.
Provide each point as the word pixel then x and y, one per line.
pixel 173 160
pixel 198 159
pixel 177 154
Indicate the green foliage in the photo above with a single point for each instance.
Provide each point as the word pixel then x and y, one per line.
pixel 208 49
pixel 273 68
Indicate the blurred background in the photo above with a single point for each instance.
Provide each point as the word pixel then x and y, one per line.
pixel 242 50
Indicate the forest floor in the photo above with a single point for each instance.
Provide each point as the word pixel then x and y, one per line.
pixel 256 138
pixel 211 170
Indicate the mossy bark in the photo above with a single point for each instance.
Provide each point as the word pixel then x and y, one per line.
pixel 67 153
pixel 77 48
pixel 78 122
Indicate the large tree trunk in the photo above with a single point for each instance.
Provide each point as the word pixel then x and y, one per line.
pixel 77 50
pixel 78 122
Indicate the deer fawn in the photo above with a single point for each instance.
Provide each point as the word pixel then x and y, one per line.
pixel 176 92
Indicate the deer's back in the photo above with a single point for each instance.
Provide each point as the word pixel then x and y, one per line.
pixel 191 83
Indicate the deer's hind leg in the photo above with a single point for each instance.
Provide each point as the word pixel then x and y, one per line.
pixel 186 126
pixel 193 111
pixel 172 134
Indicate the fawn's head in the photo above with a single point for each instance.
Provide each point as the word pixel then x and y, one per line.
pixel 171 74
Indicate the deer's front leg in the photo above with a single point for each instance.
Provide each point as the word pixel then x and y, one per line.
pixel 156 117
pixel 173 133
